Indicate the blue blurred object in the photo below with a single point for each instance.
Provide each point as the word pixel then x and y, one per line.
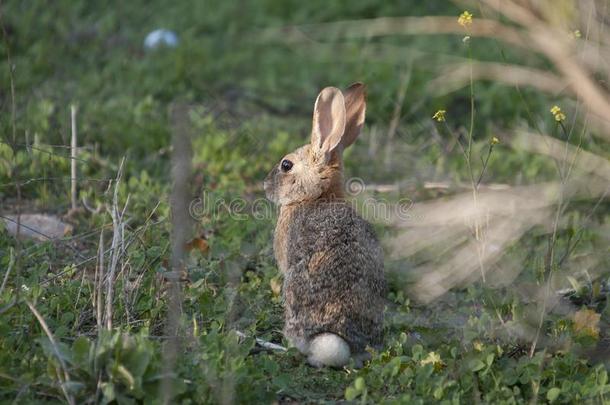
pixel 159 38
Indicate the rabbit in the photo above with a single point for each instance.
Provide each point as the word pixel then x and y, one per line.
pixel 332 263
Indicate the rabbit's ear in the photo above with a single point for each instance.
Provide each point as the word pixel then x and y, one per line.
pixel 355 106
pixel 328 121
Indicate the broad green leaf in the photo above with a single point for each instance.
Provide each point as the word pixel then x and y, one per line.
pixel 476 365
pixel 553 394
pixel 80 351
pixel 138 360
pixel 359 384
pixel 108 393
pixel 51 351
pixel 351 393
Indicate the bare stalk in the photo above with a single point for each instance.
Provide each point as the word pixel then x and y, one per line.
pixel 11 262
pixel 73 147
pixel 98 292
pixel 263 343
pixel 98 284
pixel 480 245
pixel 115 247
pixel 564 173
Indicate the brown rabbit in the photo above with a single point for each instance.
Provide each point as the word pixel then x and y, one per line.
pixel 330 257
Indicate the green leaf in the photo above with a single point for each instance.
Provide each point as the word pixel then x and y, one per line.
pixel 575 284
pixel 74 386
pixel 138 360
pixel 438 393
pixel 553 394
pixel 359 384
pixel 50 351
pixel 351 393
pixel 126 376
pixel 108 393
pixel 476 365
pixel 80 351
pixel 603 377
pixel 67 317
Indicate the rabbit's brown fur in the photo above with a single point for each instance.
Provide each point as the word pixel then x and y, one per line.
pixel 330 257
pixel 334 281
pixel 334 191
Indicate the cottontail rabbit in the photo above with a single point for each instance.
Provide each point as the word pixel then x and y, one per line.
pixel 330 257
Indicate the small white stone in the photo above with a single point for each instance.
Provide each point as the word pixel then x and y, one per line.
pixel 159 38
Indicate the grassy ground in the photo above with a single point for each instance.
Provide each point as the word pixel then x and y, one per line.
pixel 249 92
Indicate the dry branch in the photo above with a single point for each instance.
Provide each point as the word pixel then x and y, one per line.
pixel 73 153
pixel 263 343
pixel 117 243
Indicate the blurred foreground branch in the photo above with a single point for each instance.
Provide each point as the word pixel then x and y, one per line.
pixel 181 224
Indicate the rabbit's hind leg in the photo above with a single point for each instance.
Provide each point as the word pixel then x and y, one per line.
pixel 328 349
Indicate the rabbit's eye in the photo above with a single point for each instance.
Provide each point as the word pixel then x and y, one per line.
pixel 286 165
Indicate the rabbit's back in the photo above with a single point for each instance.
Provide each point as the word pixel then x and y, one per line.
pixel 334 281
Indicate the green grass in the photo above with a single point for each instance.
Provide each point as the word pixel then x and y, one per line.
pixel 250 102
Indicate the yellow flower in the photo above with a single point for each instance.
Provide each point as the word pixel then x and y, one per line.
pixel 478 346
pixel 465 19
pixel 576 34
pixel 494 141
pixel 439 115
pixel 434 359
pixel 557 114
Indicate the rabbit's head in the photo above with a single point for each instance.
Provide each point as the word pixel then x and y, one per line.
pixel 314 171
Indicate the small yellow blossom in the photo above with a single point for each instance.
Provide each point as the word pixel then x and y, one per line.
pixel 558 114
pixel 465 19
pixel 434 359
pixel 576 34
pixel 494 141
pixel 478 346
pixel 439 115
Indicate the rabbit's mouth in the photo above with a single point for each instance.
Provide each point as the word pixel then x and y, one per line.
pixel 270 186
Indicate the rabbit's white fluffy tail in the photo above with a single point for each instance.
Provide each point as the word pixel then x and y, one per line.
pixel 328 349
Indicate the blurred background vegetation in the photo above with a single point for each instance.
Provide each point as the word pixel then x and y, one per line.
pixel 248 73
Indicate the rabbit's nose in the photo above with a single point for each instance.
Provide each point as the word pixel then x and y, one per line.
pixel 267 186
pixel 268 182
